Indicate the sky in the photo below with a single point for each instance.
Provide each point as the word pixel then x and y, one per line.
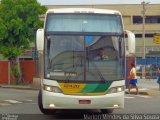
pixel 89 2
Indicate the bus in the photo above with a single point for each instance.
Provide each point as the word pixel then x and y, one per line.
pixel 74 73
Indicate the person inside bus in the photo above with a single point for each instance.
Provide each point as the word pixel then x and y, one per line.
pixel 132 79
pixel 101 55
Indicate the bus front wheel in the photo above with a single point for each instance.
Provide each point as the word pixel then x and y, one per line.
pixel 44 111
pixel 106 111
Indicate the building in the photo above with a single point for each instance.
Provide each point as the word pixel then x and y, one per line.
pixel 133 20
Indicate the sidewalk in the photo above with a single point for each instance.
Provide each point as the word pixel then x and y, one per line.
pixel 146 87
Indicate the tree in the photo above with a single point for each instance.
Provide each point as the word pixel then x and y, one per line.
pixel 18 21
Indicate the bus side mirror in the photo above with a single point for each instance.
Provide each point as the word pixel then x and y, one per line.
pixel 40 39
pixel 131 42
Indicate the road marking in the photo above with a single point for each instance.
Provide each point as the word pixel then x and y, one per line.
pixel 12 101
pixel 28 100
pixel 144 96
pixel 30 103
pixel 4 104
pixel 135 96
pixel 128 97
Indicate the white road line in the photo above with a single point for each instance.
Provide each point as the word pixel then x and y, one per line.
pixel 12 101
pixel 28 100
pixel 30 103
pixel 4 104
pixel 128 97
pixel 144 96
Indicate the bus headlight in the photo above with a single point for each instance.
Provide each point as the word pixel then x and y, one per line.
pixel 116 89
pixel 54 89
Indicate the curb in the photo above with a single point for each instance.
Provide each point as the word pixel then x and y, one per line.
pixel 18 87
pixel 149 93
pixel 144 91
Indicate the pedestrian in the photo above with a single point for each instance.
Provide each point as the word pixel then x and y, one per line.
pixel 132 79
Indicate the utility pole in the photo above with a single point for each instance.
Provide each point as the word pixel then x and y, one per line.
pixel 35 56
pixel 143 26
pixel 143 32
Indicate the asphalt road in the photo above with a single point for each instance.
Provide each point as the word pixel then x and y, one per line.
pixel 22 105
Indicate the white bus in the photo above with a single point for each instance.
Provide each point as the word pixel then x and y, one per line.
pixel 74 73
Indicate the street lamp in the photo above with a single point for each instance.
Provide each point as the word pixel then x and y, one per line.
pixel 143 26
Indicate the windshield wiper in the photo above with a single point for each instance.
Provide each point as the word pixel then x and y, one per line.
pixel 95 66
pixel 99 73
pixel 74 67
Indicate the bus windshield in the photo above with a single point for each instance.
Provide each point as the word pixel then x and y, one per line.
pixel 110 23
pixel 84 57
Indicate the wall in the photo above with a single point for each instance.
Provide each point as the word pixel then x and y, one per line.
pixel 27 67
pixel 3 72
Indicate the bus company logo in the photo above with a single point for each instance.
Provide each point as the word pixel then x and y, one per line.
pixel 71 86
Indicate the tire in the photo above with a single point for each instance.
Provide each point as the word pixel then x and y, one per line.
pixel 107 111
pixel 40 105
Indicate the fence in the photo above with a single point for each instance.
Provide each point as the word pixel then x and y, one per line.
pixel 147 68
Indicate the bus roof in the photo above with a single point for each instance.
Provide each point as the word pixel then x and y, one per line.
pixel 83 10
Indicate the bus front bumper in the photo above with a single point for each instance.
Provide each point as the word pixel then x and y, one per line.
pixel 60 101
